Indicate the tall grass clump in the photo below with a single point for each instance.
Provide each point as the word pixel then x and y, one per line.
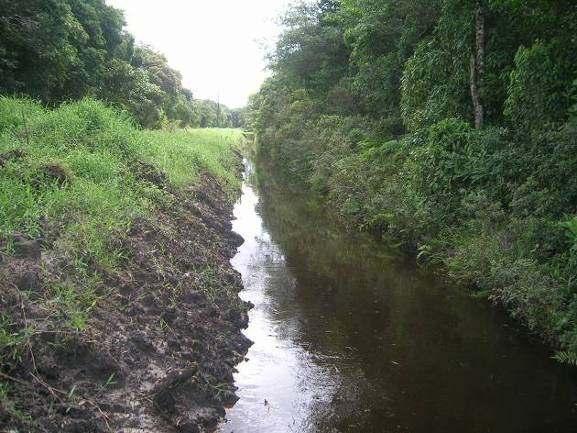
pixel 182 154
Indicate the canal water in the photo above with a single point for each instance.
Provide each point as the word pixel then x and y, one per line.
pixel 350 336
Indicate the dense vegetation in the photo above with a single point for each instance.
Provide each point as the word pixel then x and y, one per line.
pixel 61 50
pixel 447 125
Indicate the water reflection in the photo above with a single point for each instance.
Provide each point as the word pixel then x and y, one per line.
pixel 351 338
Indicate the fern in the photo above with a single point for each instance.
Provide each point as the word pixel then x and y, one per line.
pixel 566 357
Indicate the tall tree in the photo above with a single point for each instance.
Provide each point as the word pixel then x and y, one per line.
pixel 478 64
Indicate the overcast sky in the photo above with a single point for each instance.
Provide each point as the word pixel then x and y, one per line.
pixel 217 45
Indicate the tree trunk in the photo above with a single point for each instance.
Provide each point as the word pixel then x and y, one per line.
pixel 478 65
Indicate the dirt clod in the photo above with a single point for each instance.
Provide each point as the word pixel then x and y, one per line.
pixel 54 172
pixel 10 156
pixel 24 248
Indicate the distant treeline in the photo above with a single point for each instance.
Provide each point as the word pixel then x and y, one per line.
pixel 60 50
pixel 448 125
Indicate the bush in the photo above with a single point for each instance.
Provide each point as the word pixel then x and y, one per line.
pixel 537 95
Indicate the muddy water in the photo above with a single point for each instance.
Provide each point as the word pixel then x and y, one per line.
pixel 350 337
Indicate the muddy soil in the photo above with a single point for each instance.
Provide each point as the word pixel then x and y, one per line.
pixel 161 343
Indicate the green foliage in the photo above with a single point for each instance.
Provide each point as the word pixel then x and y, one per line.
pixel 73 169
pixel 430 88
pixel 183 154
pixel 209 114
pixel 571 227
pixel 11 340
pixel 537 94
pixel 382 36
pixel 17 113
pixel 566 358
pixel 381 126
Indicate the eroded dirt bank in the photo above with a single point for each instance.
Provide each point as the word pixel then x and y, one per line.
pixel 162 340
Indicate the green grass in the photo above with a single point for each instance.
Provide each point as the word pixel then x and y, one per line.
pixel 77 172
pixel 73 176
pixel 183 153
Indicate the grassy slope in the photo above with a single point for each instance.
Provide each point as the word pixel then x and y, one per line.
pixel 74 179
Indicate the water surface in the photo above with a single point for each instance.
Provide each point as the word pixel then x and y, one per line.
pixel 349 336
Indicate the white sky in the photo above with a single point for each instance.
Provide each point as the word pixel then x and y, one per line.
pixel 217 45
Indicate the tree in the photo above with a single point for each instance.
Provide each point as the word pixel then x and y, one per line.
pixel 478 64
